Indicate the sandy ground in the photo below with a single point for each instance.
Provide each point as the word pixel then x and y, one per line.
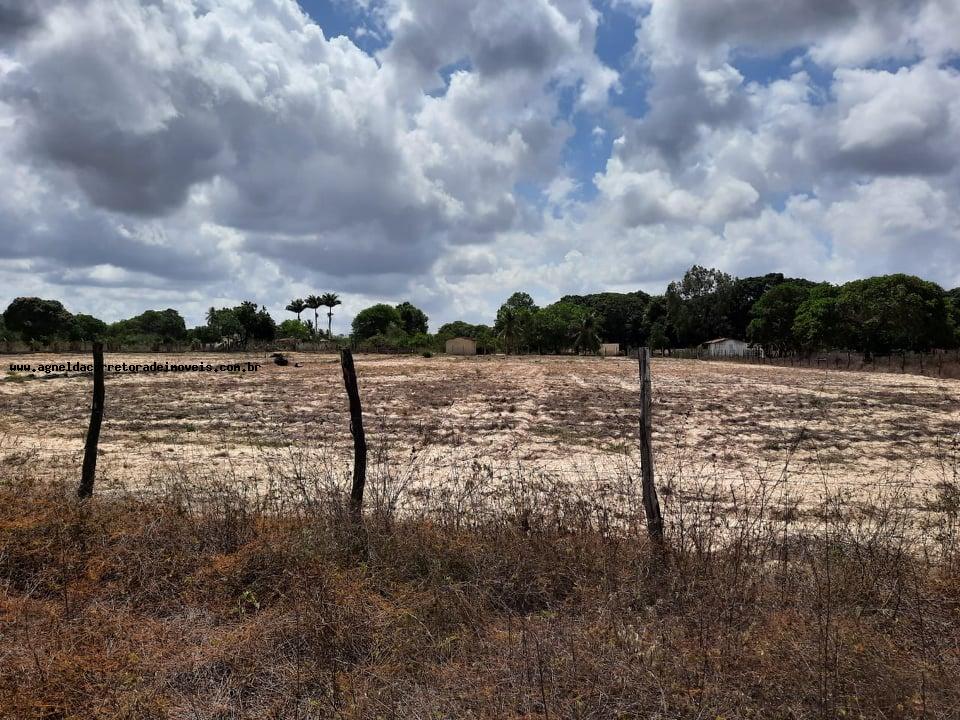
pixel 571 417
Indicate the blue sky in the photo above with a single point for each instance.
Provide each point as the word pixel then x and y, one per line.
pixel 587 151
pixel 453 153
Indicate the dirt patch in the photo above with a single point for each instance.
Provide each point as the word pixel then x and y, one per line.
pixel 568 416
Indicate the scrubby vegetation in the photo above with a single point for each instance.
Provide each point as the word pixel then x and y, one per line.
pixel 878 315
pixel 533 599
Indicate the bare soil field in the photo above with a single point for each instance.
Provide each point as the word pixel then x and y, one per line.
pixel 566 416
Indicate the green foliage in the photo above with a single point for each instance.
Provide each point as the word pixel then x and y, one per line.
pixel 375 320
pixel 877 315
pixel 743 295
pixel 412 319
pixel 313 302
pixel 508 319
pixel 242 323
pixel 255 324
pixel 696 305
pixel 296 306
pixel 330 301
pixel 774 314
pixel 620 316
pixel 203 334
pixel 515 326
pixel 38 320
pixel 396 340
pixel 587 340
pixel 556 327
pixel 150 327
pixel 658 338
pixel 816 324
pixel 894 312
pixel 294 329
pixel 953 298
pixel 87 328
pixel 223 323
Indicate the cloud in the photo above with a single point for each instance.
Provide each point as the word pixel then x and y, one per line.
pixel 832 32
pixel 217 150
pixel 901 123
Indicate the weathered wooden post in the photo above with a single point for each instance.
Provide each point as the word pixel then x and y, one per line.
pixel 88 474
pixel 356 429
pixel 651 505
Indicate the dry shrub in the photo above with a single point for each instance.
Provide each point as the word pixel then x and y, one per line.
pixel 217 605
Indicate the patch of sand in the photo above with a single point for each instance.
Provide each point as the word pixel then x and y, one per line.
pixel 569 416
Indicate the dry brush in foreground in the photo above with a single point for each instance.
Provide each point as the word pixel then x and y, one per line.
pixel 223 604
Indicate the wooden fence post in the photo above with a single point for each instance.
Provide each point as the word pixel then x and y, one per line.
pixel 88 474
pixel 356 429
pixel 651 505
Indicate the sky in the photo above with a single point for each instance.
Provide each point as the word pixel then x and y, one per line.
pixel 196 153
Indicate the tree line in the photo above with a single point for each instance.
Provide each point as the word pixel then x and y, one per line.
pixel 783 315
pixel 876 315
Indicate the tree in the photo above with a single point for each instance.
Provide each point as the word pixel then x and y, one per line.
pixel 522 310
pixel 86 328
pixel 412 319
pixel 375 320
pixel 656 319
pixel 816 324
pixel 167 325
pixel 953 297
pixel 774 315
pixel 520 301
pixel 557 326
pixel 696 305
pixel 38 320
pixel 619 316
pixel 330 301
pixel 744 293
pixel 314 302
pixel 254 324
pixel 658 336
pixel 296 306
pixel 586 339
pixel 224 324
pixel 293 329
pixel 894 312
pixel 509 321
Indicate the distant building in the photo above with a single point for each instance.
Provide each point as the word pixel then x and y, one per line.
pixel 727 347
pixel 461 346
pixel 610 349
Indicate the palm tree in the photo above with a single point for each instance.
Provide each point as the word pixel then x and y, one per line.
pixel 587 338
pixel 297 306
pixel 509 328
pixel 329 301
pixel 313 302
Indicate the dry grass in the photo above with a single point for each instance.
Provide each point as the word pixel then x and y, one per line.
pixel 200 599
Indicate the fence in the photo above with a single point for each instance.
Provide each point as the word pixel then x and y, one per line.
pixel 935 363
pixel 86 347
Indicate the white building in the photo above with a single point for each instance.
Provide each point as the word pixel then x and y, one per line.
pixel 610 349
pixel 727 347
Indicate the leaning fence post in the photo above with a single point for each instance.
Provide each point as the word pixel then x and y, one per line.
pixel 88 474
pixel 651 505
pixel 356 429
